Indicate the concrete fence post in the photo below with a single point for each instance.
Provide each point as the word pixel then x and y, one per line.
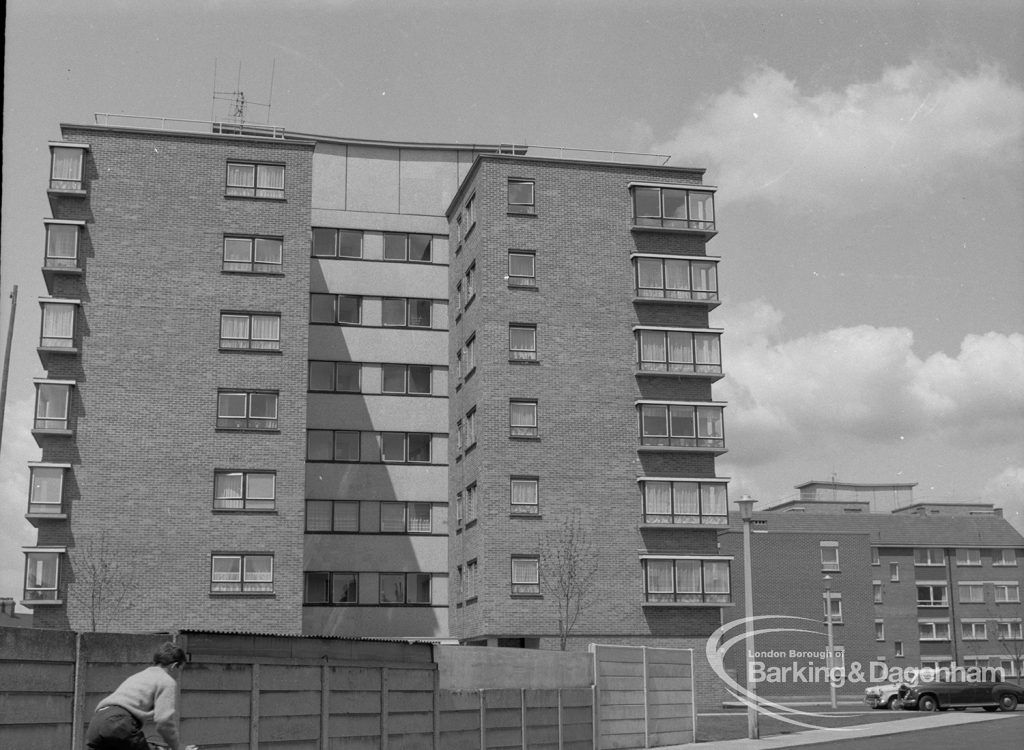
pixel 254 708
pixel 325 705
pixel 385 706
pixel 78 696
pixel 483 721
pixel 647 701
pixel 522 717
pixel 437 710
pixel 561 720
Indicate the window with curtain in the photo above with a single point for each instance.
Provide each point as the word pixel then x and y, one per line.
pixel 247 410
pixel 521 268
pixel 676 278
pixel 244 490
pixel 255 180
pixel 253 574
pixel 419 521
pixel 253 254
pixel 66 168
pixel 52 401
pixel 523 418
pixel 687 581
pixel 62 245
pixel 522 342
pixel 684 502
pixel 679 351
pixel 392 588
pixel 681 425
pixel 250 331
pixel 525 575
pixel 392 518
pixel 673 208
pixel 524 494
pixel 58 325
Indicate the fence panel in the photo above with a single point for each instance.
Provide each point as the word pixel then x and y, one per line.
pixel 459 719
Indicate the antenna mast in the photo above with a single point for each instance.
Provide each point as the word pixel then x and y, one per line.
pixel 239 105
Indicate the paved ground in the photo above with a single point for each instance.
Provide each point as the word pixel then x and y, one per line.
pixel 954 730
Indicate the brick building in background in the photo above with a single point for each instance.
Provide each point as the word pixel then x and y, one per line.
pixel 257 345
pixel 925 584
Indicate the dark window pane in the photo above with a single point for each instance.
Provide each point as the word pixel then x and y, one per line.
pixel 419 447
pixel 317 588
pixel 395 246
pixel 345 588
pixel 392 446
pixel 419 313
pixel 322 308
pixel 419 247
pixel 350 244
pixel 348 310
pixel 348 377
pixel 346 446
pixel 419 379
pixel 393 312
pixel 392 379
pixel 324 243
pixel 321 376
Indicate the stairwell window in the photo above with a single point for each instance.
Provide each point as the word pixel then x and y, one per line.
pixel 242 574
pixel 331 588
pixel 400 312
pixel 244 490
pixel 335 309
pixel 247 410
pixel 413 380
pixel 337 243
pixel 253 254
pixel 249 180
pixel 250 331
pixel 413 248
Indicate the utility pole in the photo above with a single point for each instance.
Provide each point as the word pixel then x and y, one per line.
pixel 7 360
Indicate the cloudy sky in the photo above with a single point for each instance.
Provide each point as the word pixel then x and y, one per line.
pixel 869 157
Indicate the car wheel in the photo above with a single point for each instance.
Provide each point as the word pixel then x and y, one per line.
pixel 1008 702
pixel 893 703
pixel 928 703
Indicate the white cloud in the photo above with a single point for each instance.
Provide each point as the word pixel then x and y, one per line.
pixel 861 385
pixel 867 145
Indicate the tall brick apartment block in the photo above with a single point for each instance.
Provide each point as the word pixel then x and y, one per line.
pixel 582 365
pixel 309 384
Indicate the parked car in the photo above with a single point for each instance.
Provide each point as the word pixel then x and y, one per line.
pixel 938 696
pixel 883 696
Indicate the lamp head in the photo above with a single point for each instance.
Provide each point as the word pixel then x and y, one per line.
pixel 746 504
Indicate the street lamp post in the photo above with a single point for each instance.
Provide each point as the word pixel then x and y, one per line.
pixel 829 660
pixel 746 504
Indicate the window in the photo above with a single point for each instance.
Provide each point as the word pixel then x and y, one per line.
pixel 332 445
pixel 469 355
pixel 42 575
pixel 833 603
pixel 676 278
pixel 405 447
pixel 404 588
pixel 471 579
pixel 469 214
pixel 687 581
pixel 331 588
pixel 337 243
pixel 522 342
pixel 255 180
pixel 250 331
pixel 932 595
pixel 470 502
pixel 681 425
pixel 973 630
pixel 457 299
pixel 522 268
pixel 52 405
pixel 879 630
pixel 898 647
pixel 244 490
pixel 470 283
pixel 933 630
pixel 46 489
pixel 458 508
pixel 525 575
pixel 520 196
pixel 875 559
pixel 522 418
pixel 1004 557
pixel 1010 667
pixel 335 309
pixel 400 312
pixel 341 377
pixel 1010 630
pixel 404 518
pixel 407 247
pixel 247 410
pixel 1007 592
pixel 66 167
pixel 971 593
pixel 470 428
pixel 524 494
pixel 894 572
pixel 674 208
pixel 58 327
pixel 405 379
pixel 968 557
pixel 679 351
pixel 245 574
pixel 253 254
pixel 62 244
pixel 685 502
pixel 829 556
pixel 929 556
pixel 877 591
